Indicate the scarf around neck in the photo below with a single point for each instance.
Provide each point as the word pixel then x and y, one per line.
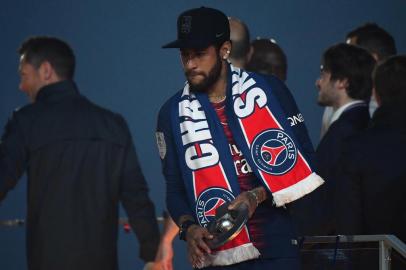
pixel 264 136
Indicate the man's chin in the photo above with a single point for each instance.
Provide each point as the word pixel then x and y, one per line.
pixel 195 80
pixel 323 103
pixel 197 88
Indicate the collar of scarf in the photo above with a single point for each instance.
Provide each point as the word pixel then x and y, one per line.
pixel 264 136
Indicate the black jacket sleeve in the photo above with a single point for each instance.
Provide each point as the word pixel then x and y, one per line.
pixel 13 156
pixel 139 207
pixel 176 197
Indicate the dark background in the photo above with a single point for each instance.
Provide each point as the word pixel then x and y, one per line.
pixel 121 66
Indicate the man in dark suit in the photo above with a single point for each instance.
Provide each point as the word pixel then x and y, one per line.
pixel 345 84
pixel 373 172
pixel 379 43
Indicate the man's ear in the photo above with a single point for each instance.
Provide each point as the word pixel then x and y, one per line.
pixel 342 84
pixel 46 71
pixel 225 50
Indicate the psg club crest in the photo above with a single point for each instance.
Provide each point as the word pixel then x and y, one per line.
pixel 274 152
pixel 208 201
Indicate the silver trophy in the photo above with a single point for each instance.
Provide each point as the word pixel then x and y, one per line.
pixel 227 224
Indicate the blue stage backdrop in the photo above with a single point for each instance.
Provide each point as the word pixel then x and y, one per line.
pixel 120 65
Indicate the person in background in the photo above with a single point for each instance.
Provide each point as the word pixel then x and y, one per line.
pixel 240 38
pixel 345 84
pixel 80 161
pixel 376 41
pixel 268 58
pixel 373 176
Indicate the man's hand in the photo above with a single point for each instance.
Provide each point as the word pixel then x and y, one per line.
pixel 196 245
pixel 251 198
pixel 165 255
pixel 165 250
pixel 152 266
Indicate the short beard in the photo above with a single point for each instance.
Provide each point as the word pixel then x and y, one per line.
pixel 208 81
pixel 323 103
pixel 326 100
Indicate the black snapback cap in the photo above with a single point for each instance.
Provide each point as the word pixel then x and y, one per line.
pixel 201 27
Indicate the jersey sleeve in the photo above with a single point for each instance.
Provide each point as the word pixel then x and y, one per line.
pixel 176 196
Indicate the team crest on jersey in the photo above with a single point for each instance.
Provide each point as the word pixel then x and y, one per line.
pixel 274 152
pixel 208 201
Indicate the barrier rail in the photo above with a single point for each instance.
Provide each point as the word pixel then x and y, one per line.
pixel 386 242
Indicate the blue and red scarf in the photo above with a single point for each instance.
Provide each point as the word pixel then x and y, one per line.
pixel 264 136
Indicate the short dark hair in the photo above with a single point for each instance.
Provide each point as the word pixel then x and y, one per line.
pixel 353 63
pixel 240 45
pixel 374 39
pixel 390 80
pixel 36 50
pixel 268 58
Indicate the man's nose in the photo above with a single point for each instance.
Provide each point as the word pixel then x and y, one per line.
pixel 317 83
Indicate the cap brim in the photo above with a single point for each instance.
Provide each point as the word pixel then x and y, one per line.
pixel 187 44
pixel 173 44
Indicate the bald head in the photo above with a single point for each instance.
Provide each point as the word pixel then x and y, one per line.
pixel 240 38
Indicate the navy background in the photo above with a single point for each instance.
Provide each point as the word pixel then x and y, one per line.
pixel 121 66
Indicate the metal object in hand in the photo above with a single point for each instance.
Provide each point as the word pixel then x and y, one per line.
pixel 227 224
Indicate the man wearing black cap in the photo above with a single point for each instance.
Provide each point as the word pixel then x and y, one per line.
pixel 225 139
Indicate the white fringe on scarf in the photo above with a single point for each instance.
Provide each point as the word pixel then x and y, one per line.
pixel 231 256
pixel 298 190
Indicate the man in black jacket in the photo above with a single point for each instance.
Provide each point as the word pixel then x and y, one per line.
pixel 345 84
pixel 373 176
pixel 80 161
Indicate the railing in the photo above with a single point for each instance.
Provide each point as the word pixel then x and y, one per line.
pixel 385 242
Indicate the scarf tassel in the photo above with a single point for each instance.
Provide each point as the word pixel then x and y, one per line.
pixel 231 256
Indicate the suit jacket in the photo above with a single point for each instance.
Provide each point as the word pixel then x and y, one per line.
pixel 351 122
pixel 373 177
